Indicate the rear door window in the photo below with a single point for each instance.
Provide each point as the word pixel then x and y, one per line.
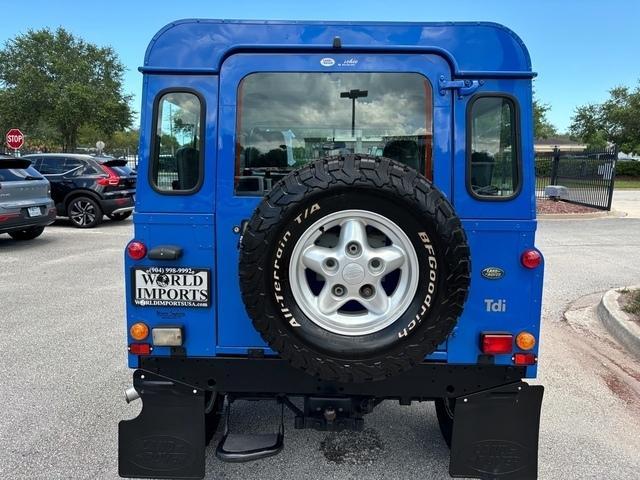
pixel 52 165
pixel 492 150
pixel 73 164
pixel 286 120
pixel 18 174
pixel 176 165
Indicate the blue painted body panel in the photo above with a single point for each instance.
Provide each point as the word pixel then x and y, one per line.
pixel 469 47
pixel 212 57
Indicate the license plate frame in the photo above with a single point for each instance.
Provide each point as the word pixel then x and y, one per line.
pixel 34 211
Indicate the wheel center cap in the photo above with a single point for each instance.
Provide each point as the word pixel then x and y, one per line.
pixel 353 274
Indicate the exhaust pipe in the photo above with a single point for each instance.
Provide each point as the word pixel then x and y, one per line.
pixel 131 395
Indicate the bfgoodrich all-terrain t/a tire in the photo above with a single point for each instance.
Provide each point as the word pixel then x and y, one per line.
pixel 354 268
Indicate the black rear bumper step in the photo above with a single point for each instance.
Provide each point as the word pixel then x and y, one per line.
pixel 244 447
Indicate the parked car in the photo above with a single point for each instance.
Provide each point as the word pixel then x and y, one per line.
pixel 85 187
pixel 25 201
pixel 343 279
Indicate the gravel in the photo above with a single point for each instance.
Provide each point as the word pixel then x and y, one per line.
pixel 556 207
pixel 353 448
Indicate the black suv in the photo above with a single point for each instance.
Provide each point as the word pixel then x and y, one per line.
pixel 85 187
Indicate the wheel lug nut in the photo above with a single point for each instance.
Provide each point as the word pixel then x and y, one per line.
pixel 367 291
pixel 375 264
pixel 353 248
pixel 330 263
pixel 338 290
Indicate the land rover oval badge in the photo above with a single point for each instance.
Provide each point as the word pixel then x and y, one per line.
pixel 492 273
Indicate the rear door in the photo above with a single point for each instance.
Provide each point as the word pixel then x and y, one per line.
pixel 494 195
pixel 175 209
pixel 279 111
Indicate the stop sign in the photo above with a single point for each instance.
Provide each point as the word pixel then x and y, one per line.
pixel 14 138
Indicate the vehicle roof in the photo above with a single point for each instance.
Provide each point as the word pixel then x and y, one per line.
pixel 473 49
pixel 79 156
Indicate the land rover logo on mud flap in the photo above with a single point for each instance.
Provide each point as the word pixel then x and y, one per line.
pixel 162 452
pixel 327 62
pixel 492 273
pixel 497 457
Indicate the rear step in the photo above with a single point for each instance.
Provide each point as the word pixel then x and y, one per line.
pixel 241 447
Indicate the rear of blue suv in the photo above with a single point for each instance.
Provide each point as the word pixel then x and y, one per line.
pixel 337 215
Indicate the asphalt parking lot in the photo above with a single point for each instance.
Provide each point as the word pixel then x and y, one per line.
pixel 64 370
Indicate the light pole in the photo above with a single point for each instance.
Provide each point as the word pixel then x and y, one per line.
pixel 353 94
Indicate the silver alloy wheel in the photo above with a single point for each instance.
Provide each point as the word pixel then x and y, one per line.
pixel 82 212
pixel 353 270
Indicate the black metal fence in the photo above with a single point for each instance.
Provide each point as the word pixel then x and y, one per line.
pixel 588 177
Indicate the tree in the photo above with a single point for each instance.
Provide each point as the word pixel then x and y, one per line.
pixel 617 121
pixel 53 83
pixel 127 140
pixel 542 127
pixel 588 125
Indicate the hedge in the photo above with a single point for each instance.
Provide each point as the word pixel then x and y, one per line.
pixel 627 168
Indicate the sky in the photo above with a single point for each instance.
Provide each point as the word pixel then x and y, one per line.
pixel 580 49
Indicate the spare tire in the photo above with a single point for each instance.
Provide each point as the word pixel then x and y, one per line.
pixel 354 268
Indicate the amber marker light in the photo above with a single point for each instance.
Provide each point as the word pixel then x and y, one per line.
pixel 139 331
pixel 525 341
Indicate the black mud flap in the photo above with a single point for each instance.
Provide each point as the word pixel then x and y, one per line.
pixel 495 433
pixel 167 439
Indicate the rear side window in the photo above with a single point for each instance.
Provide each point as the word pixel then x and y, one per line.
pixel 18 174
pixel 51 165
pixel 176 165
pixel 493 171
pixel 56 165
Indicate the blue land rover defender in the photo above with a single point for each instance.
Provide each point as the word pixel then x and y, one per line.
pixel 333 215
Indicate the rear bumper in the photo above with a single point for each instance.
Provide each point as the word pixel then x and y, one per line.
pixel 117 205
pixel 23 220
pixel 495 426
pixel 274 376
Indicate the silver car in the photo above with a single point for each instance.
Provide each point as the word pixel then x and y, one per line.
pixel 25 199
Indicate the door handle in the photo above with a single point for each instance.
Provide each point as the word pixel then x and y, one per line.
pixel 165 252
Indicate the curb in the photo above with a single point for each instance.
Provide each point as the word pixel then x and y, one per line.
pixel 584 216
pixel 617 322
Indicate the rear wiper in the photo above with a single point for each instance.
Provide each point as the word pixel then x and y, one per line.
pixel 31 177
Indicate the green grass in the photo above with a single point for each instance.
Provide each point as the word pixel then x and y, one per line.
pixel 627 182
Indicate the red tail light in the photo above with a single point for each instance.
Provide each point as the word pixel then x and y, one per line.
pixel 140 349
pixel 136 250
pixel 524 359
pixel 531 259
pixel 112 177
pixel 8 216
pixel 496 343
